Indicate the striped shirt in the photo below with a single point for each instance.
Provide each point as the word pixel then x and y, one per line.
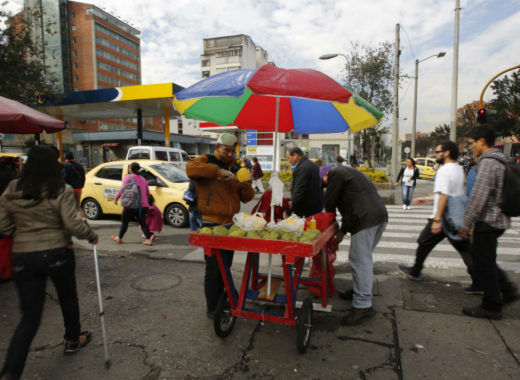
pixel 487 194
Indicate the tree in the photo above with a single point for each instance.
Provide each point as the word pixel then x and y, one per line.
pixel 440 134
pixel 23 75
pixel 369 74
pixel 507 105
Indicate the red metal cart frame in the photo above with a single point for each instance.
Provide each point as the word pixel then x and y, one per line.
pixel 293 256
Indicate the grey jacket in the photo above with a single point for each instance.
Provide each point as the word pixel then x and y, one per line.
pixel 41 225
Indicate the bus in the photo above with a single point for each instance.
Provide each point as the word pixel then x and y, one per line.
pixel 511 149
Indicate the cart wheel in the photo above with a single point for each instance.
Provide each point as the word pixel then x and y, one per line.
pixel 224 321
pixel 303 326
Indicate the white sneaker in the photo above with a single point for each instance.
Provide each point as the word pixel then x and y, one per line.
pixel 408 207
pixel 404 207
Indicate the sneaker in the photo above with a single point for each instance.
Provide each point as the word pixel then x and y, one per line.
pixel 480 312
pixel 73 346
pixel 408 272
pixel 404 207
pixel 408 207
pixel 473 289
pixel 508 298
pixel 347 295
pixel 356 316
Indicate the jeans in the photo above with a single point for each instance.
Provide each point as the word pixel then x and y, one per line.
pixel 213 283
pixel 427 241
pixel 407 193
pixel 195 220
pixel 30 272
pixel 493 279
pixel 132 214
pixel 360 257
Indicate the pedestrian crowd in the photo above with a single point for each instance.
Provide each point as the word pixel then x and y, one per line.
pixel 40 211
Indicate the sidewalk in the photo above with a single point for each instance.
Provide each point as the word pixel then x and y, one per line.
pixel 157 327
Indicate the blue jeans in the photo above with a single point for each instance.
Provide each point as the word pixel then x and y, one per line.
pixel 195 220
pixel 407 193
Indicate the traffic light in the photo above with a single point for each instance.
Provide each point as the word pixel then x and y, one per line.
pixel 481 116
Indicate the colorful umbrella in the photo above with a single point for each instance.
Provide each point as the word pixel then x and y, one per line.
pixel 309 102
pixel 16 117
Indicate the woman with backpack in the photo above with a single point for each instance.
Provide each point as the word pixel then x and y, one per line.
pixel 38 211
pixel 134 199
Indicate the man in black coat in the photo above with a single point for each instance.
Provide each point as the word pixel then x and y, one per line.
pixel 363 215
pixel 306 192
pixel 75 177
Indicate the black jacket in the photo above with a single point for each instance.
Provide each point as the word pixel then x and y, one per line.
pixel 74 174
pixel 306 192
pixel 356 198
pixel 414 177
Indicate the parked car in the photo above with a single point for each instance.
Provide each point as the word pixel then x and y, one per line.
pixel 167 184
pixel 162 153
pixel 426 167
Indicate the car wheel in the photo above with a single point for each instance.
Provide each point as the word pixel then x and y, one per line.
pixel 91 208
pixel 176 215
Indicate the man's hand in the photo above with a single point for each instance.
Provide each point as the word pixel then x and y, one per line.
pixel 115 200
pixel 418 201
pixel 463 233
pixel 95 241
pixel 436 228
pixel 225 175
pixel 339 237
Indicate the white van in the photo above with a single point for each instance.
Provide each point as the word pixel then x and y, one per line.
pixel 175 155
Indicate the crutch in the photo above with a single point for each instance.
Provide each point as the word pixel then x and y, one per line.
pixel 101 312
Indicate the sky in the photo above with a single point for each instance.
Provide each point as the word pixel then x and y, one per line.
pixel 296 32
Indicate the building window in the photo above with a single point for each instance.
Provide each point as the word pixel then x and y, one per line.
pixel 74 40
pixel 205 63
pixel 220 60
pixel 75 53
pixel 205 74
pixel 73 28
pixel 72 15
pixel 209 43
pixel 237 40
pixel 115 58
pixel 220 42
pixel 75 65
pixel 76 78
pixel 117 48
pixel 117 70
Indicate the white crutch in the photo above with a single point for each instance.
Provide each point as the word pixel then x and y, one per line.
pixel 101 312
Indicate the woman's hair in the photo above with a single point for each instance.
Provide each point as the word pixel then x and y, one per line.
pixel 412 160
pixel 135 167
pixel 41 176
pixel 255 159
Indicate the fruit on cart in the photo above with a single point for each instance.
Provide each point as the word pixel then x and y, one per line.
pixel 269 234
pixel 220 230
pixel 309 235
pixel 234 227
pixel 253 234
pixel 289 236
pixel 237 232
pixel 206 230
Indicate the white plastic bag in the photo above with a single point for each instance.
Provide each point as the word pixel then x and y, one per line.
pixel 292 224
pixel 276 190
pixel 246 222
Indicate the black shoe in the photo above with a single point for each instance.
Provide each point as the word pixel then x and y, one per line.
pixel 509 298
pixel 473 289
pixel 480 312
pixel 408 272
pixel 210 314
pixel 73 346
pixel 356 316
pixel 347 295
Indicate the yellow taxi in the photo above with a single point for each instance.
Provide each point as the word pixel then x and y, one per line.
pixel 426 167
pixel 167 183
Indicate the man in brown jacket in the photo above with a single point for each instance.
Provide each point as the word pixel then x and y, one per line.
pixel 218 198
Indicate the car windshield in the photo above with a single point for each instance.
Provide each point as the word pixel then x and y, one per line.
pixel 171 172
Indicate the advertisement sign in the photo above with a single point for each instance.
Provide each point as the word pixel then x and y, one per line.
pixel 264 154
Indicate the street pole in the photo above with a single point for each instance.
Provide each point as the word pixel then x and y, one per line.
pixel 454 78
pixel 414 118
pixel 395 130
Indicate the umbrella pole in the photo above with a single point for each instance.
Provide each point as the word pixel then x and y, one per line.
pixel 276 159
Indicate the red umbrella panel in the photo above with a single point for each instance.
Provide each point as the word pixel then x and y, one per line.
pixel 18 118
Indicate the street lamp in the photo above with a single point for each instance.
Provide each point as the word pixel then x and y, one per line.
pixel 330 56
pixel 414 120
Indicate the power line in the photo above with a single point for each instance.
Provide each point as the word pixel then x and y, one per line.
pixel 409 43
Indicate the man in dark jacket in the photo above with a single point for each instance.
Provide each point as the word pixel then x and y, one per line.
pixel 74 176
pixel 363 215
pixel 306 192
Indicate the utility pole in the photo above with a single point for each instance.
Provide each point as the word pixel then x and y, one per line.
pixel 454 78
pixel 414 118
pixel 395 129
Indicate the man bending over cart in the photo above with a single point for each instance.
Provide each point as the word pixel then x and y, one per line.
pixel 218 199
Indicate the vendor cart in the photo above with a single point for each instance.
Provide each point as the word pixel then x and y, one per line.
pixel 254 284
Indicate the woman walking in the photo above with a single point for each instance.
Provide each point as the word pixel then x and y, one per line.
pixel 408 179
pixel 257 175
pixel 139 212
pixel 39 211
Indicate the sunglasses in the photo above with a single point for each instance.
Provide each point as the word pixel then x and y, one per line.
pixel 439 151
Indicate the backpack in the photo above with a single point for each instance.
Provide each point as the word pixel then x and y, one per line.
pixel 510 204
pixel 131 195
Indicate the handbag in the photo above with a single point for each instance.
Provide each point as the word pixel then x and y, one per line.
pixel 6 247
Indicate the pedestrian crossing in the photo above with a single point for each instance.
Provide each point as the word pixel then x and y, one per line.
pixel 399 242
